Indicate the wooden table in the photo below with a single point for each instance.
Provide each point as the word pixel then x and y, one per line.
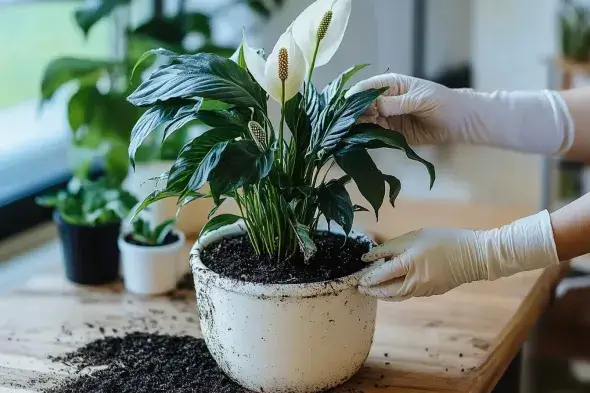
pixel 459 342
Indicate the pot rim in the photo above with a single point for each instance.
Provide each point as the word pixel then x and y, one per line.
pixel 315 289
pixel 59 220
pixel 168 248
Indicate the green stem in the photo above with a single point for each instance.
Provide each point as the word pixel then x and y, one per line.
pixel 311 68
pixel 282 125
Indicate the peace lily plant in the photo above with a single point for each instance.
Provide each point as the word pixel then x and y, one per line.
pixel 276 171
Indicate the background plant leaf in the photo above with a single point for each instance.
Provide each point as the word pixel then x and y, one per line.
pixel 395 187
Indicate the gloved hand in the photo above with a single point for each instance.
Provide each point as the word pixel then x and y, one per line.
pixel 433 261
pixel 429 113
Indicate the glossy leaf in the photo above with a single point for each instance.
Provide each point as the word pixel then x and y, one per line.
pixel 359 208
pixel 202 75
pixel 209 162
pixel 174 113
pixel 334 89
pixel 220 118
pixel 395 187
pixel 372 136
pixel 155 196
pixel 335 204
pixel 66 69
pixel 334 126
pixel 218 222
pixel 359 165
pixel 241 164
pixel 193 153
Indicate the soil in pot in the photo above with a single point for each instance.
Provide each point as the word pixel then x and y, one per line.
pixel 145 363
pixel 170 238
pixel 336 257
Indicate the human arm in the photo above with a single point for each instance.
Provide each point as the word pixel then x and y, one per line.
pixel 541 122
pixel 435 260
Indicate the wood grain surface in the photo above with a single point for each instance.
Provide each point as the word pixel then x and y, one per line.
pixel 458 342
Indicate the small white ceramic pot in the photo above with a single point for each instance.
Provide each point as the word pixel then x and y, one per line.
pixel 151 270
pixel 296 338
pixel 191 218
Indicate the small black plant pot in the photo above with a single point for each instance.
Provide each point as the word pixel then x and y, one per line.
pixel 91 254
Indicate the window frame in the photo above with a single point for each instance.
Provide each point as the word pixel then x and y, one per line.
pixel 19 212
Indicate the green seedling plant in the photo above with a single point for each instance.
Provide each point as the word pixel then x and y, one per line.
pixel 91 203
pixel 143 232
pixel 276 172
pixel 575 31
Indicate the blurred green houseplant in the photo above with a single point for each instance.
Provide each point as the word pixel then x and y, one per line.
pixel 575 31
pixel 99 116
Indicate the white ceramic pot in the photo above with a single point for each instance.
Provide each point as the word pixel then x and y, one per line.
pixel 151 270
pixel 296 338
pixel 191 218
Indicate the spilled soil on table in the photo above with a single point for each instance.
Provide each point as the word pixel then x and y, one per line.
pixel 144 363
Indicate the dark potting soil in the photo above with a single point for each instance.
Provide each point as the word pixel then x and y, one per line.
pixel 336 257
pixel 146 363
pixel 170 238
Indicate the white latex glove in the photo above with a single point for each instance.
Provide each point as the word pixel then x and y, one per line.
pixel 429 113
pixel 433 261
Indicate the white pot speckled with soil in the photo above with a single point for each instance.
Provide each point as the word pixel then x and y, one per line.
pixel 296 338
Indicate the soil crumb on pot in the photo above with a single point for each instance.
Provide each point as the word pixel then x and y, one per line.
pixel 145 363
pixel 336 257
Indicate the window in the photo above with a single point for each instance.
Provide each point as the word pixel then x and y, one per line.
pixel 34 152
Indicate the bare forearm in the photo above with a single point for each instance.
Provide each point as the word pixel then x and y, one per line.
pixel 578 103
pixel 571 229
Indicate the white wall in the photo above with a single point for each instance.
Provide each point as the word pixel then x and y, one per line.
pixel 511 41
pixel 448 34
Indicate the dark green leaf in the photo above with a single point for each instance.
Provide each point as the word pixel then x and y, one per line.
pixel 241 164
pixel 372 136
pixel 395 187
pixel 198 22
pixel 193 153
pixel 66 69
pixel 359 208
pixel 314 105
pixel 219 221
pixel 227 118
pixel 360 166
pixel 87 16
pixel 206 166
pixel 334 127
pixel 335 204
pixel 174 112
pixel 202 75
pixel 334 88
pixel 300 127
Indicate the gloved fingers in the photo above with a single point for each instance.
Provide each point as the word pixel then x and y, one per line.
pixel 394 105
pixel 366 119
pixel 392 81
pixel 391 248
pixel 384 272
pixel 387 290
